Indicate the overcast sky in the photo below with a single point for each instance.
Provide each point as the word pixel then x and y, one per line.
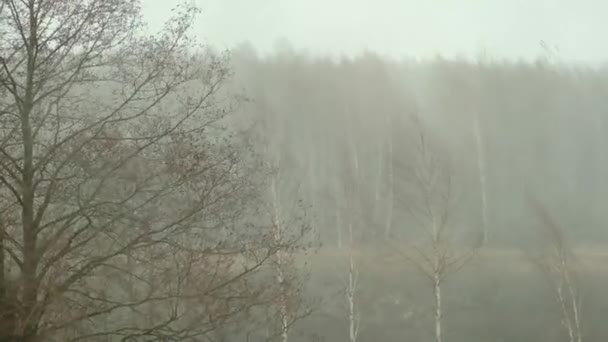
pixel 398 28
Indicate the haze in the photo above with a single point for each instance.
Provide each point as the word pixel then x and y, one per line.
pixel 303 171
pixel 406 28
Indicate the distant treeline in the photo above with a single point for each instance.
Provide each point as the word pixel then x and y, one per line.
pixel 542 128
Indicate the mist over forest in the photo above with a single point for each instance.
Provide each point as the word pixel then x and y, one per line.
pixel 520 140
pixel 156 188
pixel 541 126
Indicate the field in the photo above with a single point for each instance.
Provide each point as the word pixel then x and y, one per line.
pixel 500 296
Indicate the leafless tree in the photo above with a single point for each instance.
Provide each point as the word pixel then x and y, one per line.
pixel 558 265
pixel 290 234
pixel 352 218
pixel 354 315
pixel 482 175
pixel 480 148
pixel 126 202
pixel 290 230
pixel 390 183
pixel 436 255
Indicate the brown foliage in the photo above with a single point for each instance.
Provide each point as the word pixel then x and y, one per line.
pixel 125 203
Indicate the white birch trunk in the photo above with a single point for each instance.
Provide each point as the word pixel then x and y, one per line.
pixel 570 306
pixel 378 178
pixel 338 225
pixel 574 302
pixel 390 198
pixel 353 315
pixel 378 203
pixel 353 320
pixel 438 307
pixel 339 199
pixel 566 322
pixel 438 263
pixel 355 154
pixel 312 181
pixel 481 168
pixel 280 276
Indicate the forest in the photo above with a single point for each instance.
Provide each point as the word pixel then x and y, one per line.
pixel 485 174
pixel 154 188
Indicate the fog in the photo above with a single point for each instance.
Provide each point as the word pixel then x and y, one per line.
pixel 297 171
pixel 518 147
pixel 407 28
pixel 449 156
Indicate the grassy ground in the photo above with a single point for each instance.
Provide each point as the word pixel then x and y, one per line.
pixel 499 296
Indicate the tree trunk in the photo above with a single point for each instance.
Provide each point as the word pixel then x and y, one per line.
pixel 438 264
pixel 481 168
pixel 7 310
pixel 353 325
pixel 565 315
pixel 338 226
pixel 28 318
pixel 280 277
pixel 576 335
pixel 438 308
pixel 390 199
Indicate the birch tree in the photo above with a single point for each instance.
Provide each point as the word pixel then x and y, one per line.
pixel 390 183
pixel 480 149
pixel 290 232
pixel 354 318
pixel 278 231
pixel 435 255
pixel 482 175
pixel 559 267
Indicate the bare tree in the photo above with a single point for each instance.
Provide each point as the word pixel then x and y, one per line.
pixel 482 175
pixel 280 263
pixel 290 233
pixel 390 187
pixel 290 230
pixel 558 265
pixel 125 201
pixel 353 214
pixel 347 197
pixel 354 316
pixel 436 256
pixel 480 147
pixel 338 196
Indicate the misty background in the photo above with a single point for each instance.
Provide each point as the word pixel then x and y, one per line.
pixel 303 171
pixel 334 74
pixel 409 28
pixel 524 79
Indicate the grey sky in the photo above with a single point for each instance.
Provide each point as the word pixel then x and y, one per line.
pixel 505 28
